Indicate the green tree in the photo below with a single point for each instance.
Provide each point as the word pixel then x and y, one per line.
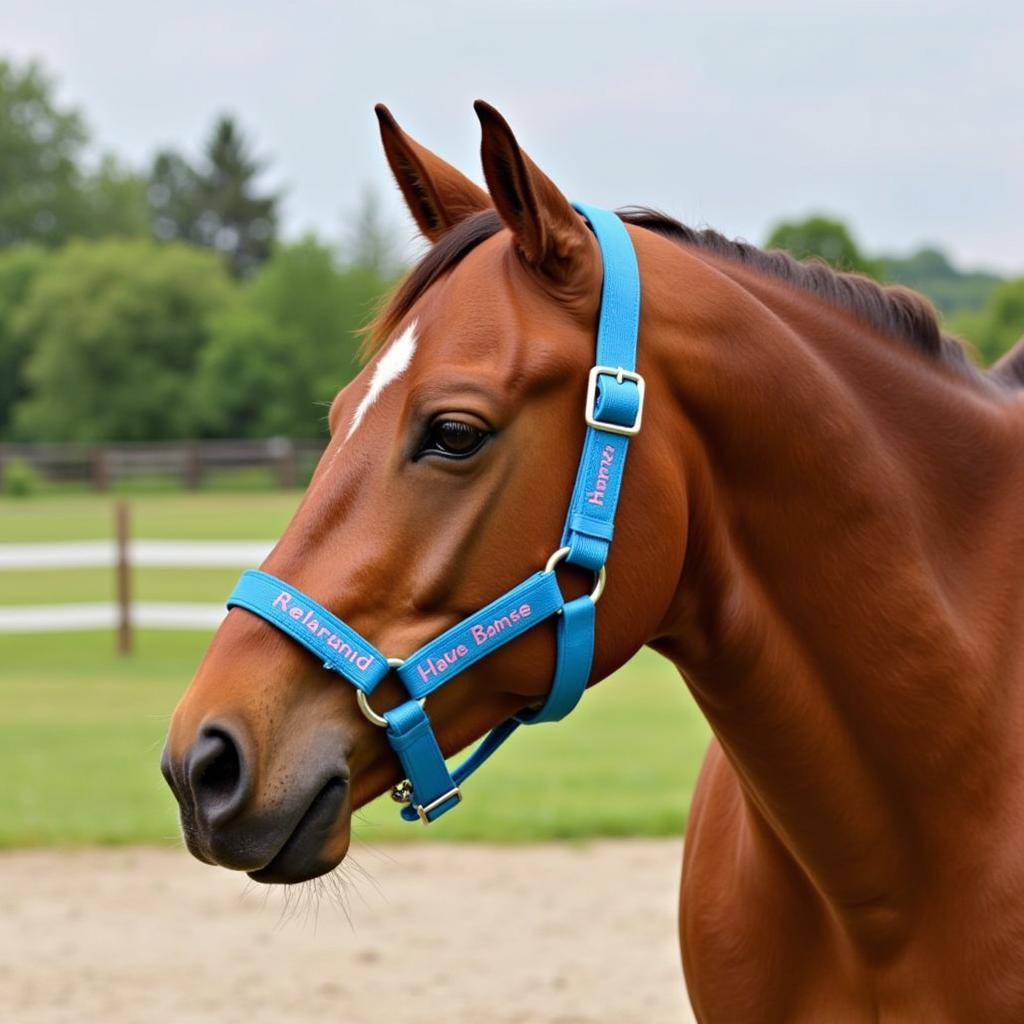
pixel 40 149
pixel 995 330
pixel 174 204
pixel 47 194
pixel 115 329
pixel 824 238
pixel 297 335
pixel 253 380
pixel 931 272
pixel 19 267
pixel 371 243
pixel 217 204
pixel 114 202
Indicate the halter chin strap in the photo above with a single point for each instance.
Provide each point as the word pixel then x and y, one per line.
pixel 613 414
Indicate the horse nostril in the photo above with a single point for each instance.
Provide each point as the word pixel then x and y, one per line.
pixel 217 774
pixel 220 774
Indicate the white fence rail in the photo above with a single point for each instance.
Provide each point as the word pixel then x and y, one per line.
pixel 88 554
pixel 60 618
pixel 121 555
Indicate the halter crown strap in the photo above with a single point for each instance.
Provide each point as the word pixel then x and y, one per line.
pixel 613 413
pixel 615 397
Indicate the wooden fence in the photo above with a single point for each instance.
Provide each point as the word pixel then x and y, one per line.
pixel 290 462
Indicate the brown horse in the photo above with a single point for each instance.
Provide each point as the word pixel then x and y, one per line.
pixel 822 526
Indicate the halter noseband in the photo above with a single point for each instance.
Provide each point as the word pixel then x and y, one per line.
pixel 613 413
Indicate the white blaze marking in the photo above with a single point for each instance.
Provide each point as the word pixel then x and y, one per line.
pixel 389 368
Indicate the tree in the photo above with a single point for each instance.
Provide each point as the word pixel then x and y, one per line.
pixel 40 147
pixel 114 202
pixel 115 329
pixel 291 347
pixel 19 267
pixel 252 380
pixel 370 243
pixel 827 239
pixel 47 194
pixel 217 204
pixel 174 204
pixel 304 289
pixel 995 330
pixel 931 272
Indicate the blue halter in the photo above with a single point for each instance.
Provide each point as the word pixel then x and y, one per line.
pixel 614 408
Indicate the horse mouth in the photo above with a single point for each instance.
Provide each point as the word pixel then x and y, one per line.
pixel 301 857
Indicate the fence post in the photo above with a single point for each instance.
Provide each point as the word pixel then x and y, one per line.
pixel 282 451
pixel 100 467
pixel 123 581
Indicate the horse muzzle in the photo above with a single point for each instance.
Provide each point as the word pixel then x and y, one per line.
pixel 279 827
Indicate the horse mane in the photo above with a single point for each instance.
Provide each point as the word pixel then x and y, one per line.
pixel 894 310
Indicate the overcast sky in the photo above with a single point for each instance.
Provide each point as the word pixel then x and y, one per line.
pixel 903 117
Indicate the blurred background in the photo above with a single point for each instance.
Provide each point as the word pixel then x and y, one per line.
pixel 195 220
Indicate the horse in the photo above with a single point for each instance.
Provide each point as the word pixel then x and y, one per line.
pixel 819 526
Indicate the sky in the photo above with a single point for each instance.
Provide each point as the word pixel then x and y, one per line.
pixel 902 117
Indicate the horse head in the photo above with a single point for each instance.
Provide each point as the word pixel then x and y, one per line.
pixel 451 463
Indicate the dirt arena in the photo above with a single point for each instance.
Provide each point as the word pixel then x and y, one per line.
pixel 551 934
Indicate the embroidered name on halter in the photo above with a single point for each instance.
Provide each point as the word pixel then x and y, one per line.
pixel 286 602
pixel 604 472
pixel 481 633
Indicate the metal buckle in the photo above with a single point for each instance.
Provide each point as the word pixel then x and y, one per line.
pixel 620 375
pixel 422 811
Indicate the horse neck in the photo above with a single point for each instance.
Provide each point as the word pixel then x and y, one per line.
pixel 846 563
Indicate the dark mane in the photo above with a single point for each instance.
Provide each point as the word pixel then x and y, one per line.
pixel 894 310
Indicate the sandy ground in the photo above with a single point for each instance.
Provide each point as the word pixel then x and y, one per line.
pixel 551 934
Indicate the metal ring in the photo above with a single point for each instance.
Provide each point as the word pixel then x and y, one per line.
pixel 601 574
pixel 364 702
pixel 558 556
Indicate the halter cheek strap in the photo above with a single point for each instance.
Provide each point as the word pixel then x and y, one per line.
pixel 613 414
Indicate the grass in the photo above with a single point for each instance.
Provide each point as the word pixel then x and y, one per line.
pixel 81 729
pixel 180 515
pixel 72 586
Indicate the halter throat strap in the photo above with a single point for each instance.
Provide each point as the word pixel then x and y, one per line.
pixel 613 413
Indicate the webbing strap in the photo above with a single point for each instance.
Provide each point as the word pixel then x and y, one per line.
pixel 572 665
pixel 412 739
pixel 340 647
pixel 433 788
pixel 617 399
pixel 484 749
pixel 516 611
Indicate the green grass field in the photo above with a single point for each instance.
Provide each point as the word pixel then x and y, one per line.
pixel 81 729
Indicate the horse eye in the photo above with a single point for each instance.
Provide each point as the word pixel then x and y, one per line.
pixel 453 439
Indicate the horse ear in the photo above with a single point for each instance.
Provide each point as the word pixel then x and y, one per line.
pixel 549 234
pixel 438 196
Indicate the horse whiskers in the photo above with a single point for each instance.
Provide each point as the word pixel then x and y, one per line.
pixel 338 887
pixel 365 875
pixel 376 850
pixel 305 898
